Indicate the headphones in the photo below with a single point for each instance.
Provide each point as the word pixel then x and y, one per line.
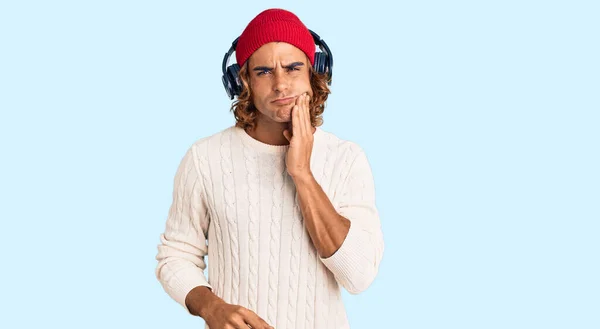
pixel 233 85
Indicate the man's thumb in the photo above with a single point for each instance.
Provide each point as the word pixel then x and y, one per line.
pixel 286 134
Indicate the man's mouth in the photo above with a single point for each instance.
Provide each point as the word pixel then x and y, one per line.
pixel 285 100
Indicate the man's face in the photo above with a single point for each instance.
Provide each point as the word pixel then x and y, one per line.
pixel 279 73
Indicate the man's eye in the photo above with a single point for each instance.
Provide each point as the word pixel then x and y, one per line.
pixel 262 72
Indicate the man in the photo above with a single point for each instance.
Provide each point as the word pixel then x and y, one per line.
pixel 284 210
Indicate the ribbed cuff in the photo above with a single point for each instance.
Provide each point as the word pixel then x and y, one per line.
pixel 183 282
pixel 349 259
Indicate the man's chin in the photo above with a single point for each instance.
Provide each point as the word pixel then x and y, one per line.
pixel 286 115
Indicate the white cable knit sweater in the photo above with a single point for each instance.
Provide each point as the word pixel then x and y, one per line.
pixel 234 201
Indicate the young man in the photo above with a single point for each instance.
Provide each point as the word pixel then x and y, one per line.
pixel 284 210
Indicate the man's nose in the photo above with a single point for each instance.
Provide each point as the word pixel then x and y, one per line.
pixel 280 80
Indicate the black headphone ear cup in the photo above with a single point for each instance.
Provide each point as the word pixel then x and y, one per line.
pixel 233 78
pixel 320 61
pixel 227 85
pixel 316 64
pixel 235 70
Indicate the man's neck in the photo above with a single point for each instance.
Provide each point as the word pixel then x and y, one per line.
pixel 269 132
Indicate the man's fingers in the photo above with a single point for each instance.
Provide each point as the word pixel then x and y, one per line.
pixel 295 120
pixel 299 115
pixel 305 116
pixel 255 321
pixel 308 112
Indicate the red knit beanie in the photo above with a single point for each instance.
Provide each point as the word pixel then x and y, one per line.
pixel 274 25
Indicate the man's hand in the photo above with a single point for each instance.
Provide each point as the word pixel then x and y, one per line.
pixel 301 139
pixel 228 316
pixel 218 314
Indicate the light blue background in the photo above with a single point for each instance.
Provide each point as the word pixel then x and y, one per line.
pixel 480 120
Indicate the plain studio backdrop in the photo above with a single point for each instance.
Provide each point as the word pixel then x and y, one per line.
pixel 480 120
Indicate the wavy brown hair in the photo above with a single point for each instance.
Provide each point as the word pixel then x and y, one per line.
pixel 245 112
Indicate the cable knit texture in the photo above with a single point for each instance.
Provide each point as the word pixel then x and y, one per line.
pixel 234 202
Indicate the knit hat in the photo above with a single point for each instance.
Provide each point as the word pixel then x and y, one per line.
pixel 274 25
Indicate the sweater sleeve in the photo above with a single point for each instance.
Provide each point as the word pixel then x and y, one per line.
pixel 183 244
pixel 355 264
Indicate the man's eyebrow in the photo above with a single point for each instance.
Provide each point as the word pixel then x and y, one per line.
pixel 266 68
pixel 294 64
